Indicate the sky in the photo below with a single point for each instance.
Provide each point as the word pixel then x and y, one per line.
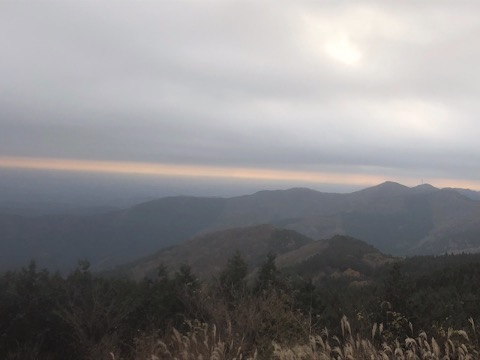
pixel 323 93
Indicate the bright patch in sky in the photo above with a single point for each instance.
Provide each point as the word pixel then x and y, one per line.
pixel 343 50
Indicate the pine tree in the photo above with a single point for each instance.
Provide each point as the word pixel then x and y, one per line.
pixel 232 278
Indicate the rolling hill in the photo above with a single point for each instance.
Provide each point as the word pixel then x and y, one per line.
pixel 207 255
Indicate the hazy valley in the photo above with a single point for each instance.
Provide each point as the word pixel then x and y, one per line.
pixel 394 218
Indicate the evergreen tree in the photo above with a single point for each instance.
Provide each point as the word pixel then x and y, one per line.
pixel 268 275
pixel 232 278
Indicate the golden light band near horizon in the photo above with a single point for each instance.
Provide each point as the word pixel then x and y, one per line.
pixel 159 169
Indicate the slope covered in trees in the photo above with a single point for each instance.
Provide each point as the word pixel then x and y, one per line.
pixel 269 315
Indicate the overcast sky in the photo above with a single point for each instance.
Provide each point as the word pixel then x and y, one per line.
pixel 356 89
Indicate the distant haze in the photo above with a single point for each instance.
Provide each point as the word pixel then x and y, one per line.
pixel 75 189
pixel 392 217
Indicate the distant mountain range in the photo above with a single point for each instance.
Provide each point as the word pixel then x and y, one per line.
pixel 394 218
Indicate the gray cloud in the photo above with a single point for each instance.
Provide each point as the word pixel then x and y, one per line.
pixel 383 87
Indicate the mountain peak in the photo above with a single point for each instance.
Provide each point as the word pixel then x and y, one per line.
pixel 390 184
pixel 387 188
pixel 338 256
pixel 424 188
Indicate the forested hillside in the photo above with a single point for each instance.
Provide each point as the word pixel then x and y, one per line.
pixel 429 304
pixel 207 254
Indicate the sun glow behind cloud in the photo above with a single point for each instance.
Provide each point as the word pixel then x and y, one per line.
pixel 218 172
pixel 343 50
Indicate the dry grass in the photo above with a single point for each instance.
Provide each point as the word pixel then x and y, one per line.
pixel 201 341
pixel 455 345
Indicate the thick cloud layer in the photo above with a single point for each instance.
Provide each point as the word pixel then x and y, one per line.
pixel 365 87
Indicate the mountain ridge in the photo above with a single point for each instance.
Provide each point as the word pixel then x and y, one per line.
pixel 392 217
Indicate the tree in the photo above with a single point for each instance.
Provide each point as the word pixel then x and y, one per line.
pixel 94 310
pixel 232 278
pixel 185 279
pixel 268 274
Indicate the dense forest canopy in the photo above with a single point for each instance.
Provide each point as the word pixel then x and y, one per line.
pixel 88 316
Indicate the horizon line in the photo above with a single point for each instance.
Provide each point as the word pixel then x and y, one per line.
pixel 219 172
